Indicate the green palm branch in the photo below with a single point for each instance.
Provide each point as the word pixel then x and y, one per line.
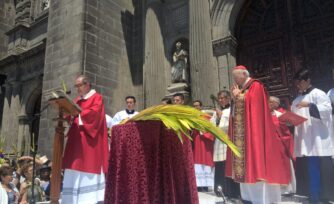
pixel 2 143
pixel 182 119
pixel 63 85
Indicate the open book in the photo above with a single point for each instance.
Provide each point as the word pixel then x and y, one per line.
pixel 61 100
pixel 292 118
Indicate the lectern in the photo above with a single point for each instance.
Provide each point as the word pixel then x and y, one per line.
pixel 65 106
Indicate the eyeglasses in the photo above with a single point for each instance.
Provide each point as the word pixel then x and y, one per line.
pixel 79 85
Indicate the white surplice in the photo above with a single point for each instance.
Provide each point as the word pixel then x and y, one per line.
pixel 109 121
pixel 204 175
pixel 219 150
pixel 82 187
pixel 315 136
pixel 330 94
pixel 122 115
pixel 261 192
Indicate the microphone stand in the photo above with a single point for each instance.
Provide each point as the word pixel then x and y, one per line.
pixel 35 117
pixel 214 100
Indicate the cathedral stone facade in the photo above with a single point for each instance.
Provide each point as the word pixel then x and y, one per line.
pixel 127 48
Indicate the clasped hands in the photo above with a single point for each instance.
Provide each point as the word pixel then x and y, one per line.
pixel 235 90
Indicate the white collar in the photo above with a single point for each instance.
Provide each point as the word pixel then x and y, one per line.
pixel 89 94
pixel 277 113
pixel 247 80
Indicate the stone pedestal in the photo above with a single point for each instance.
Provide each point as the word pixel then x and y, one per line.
pixel 179 88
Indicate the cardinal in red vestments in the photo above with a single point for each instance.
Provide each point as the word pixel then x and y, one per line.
pixel 85 159
pixel 259 169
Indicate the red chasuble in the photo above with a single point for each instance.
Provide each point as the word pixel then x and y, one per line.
pixel 285 135
pixel 253 132
pixel 87 144
pixel 203 148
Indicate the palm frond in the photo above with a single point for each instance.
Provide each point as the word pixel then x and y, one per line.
pixel 63 85
pixel 182 119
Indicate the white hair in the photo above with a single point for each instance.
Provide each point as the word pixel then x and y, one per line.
pixel 275 99
pixel 246 72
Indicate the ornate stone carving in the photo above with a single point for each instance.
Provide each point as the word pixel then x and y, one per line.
pixel 18 39
pixel 45 4
pixel 180 65
pixel 23 11
pixel 224 45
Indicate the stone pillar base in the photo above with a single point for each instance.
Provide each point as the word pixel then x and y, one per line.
pixel 179 88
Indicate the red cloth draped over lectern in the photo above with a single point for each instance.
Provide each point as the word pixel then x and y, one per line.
pixel 149 164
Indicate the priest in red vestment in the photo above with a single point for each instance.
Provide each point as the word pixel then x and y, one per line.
pixel 259 169
pixel 203 156
pixel 287 140
pixel 86 154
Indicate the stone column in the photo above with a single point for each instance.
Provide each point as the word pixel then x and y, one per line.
pixel 64 58
pixel 14 109
pixel 204 75
pixel 224 50
pixel 23 141
pixel 9 128
pixel 155 60
pixel 6 115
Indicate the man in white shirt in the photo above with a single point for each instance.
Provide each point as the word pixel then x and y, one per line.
pixel 221 119
pixel 129 112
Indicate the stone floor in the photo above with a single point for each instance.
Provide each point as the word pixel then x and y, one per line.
pixel 211 198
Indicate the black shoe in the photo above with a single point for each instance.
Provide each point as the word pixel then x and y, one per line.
pixel 246 202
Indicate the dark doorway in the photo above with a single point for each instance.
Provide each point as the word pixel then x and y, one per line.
pixel 35 123
pixel 276 38
pixel 2 96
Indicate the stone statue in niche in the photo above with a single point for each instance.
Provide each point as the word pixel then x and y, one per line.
pixel 45 4
pixel 180 65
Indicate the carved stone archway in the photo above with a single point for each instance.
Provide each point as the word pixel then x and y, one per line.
pixel 223 19
pixel 29 121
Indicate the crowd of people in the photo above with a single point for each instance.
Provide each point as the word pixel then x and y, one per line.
pixel 16 177
pixel 277 156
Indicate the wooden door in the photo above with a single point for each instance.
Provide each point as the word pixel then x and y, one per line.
pixel 276 38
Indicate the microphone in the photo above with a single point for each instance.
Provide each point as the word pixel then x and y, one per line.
pixel 213 97
pixel 214 100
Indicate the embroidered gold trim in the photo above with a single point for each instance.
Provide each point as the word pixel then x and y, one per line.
pixel 238 163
